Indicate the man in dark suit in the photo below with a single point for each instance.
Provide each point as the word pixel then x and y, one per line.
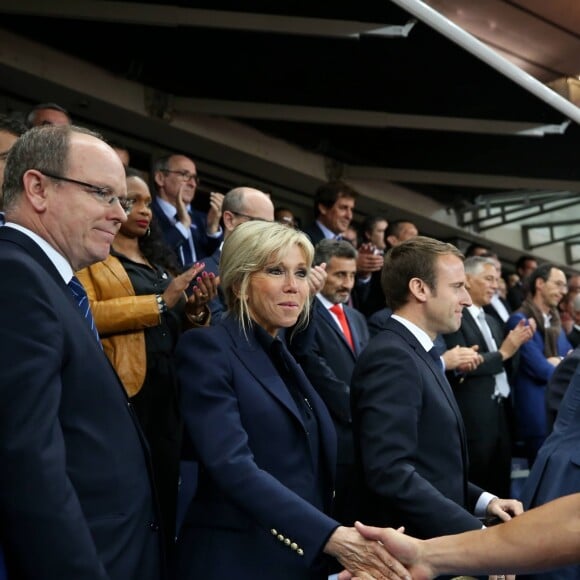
pixel 191 233
pixel 558 384
pixel 334 203
pixel 328 356
pixel 483 395
pixel 409 436
pixel 76 495
pixel 555 471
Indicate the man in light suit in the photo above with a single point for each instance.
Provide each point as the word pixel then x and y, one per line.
pixel 192 234
pixel 328 359
pixel 76 495
pixel 483 395
pixel 409 436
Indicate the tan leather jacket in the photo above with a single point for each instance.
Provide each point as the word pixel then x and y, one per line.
pixel 120 317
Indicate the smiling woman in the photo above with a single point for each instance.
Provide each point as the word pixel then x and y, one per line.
pixel 263 437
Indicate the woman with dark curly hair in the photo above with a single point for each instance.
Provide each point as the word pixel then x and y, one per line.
pixel 140 306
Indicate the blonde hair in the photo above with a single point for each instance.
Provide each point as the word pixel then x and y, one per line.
pixel 249 249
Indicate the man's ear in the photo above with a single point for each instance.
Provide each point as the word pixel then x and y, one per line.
pixel 419 289
pixel 228 219
pixel 322 209
pixel 159 178
pixel 35 189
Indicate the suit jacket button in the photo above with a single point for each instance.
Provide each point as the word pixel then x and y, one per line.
pixel 154 526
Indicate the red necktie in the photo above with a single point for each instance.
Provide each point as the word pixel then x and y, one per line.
pixel 337 309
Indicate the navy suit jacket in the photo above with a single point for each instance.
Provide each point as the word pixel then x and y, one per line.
pixel 75 494
pixel 328 362
pixel 204 245
pixel 410 440
pixel 314 233
pixel 556 470
pixel 259 483
pixel 559 382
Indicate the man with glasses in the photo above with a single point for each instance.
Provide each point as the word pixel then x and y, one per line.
pixel 76 496
pixel 240 205
pixel 539 357
pixel 191 233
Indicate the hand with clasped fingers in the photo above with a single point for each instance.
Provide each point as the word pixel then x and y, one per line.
pixel 362 558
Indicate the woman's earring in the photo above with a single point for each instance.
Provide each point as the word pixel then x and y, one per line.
pixel 148 232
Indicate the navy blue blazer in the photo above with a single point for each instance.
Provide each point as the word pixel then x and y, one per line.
pixel 204 245
pixel 259 511
pixel 314 233
pixel 556 470
pixel 558 384
pixel 76 494
pixel 409 439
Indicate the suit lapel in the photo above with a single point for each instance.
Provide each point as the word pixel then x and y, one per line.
pixel 439 376
pixel 259 364
pixel 329 320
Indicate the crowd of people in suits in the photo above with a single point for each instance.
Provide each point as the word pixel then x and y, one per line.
pixel 314 376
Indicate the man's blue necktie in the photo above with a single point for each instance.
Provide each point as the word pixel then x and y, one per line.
pixel 80 295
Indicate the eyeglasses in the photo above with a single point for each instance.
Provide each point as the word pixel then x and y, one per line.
pixel 185 175
pixel 250 217
pixel 103 194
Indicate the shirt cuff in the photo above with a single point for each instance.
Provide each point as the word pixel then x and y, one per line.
pixel 482 503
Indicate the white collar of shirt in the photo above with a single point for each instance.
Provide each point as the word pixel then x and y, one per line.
pixel 325 302
pixel 474 311
pixel 59 261
pixel 168 209
pixel 327 233
pixel 547 320
pixel 500 307
pixel 417 332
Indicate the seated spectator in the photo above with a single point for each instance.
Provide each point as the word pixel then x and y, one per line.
pixel 351 236
pixel 191 233
pixel 285 216
pixel 558 384
pixel 137 298
pixel 48 114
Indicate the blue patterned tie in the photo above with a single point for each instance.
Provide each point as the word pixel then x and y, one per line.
pixel 80 295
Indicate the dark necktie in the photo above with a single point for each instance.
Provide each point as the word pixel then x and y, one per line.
pixel 186 256
pixel 339 312
pixel 434 354
pixel 80 294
